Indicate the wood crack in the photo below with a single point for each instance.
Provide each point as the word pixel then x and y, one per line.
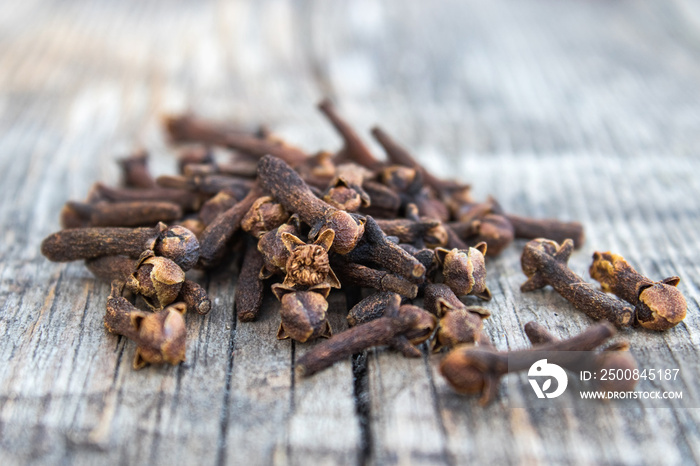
pixel 224 416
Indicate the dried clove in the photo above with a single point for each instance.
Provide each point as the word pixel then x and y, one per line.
pixel 613 357
pixel 405 181
pixel 289 189
pixel 187 200
pixel 555 230
pixel 159 337
pixel 308 264
pixel 180 245
pixel 373 307
pixel 400 156
pixel 216 205
pixel 207 185
pixel 423 232
pixel 111 268
pixel 658 305
pixel 380 280
pixel 354 149
pixel 195 297
pixel 345 191
pixel 464 271
pixel 470 369
pixel 457 323
pixel 274 250
pixel 217 236
pixel 195 155
pixel 125 214
pixel 157 279
pixel 410 321
pixel 176 243
pixel 385 202
pixel 495 230
pixel 303 314
pixel 264 215
pixel 135 171
pixel 249 288
pixel 195 225
pixel 375 248
pixel 544 263
pixel 187 128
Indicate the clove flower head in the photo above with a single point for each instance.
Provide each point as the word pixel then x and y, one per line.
pixel 304 316
pixel 308 264
pixel 162 336
pixel 464 271
pixel 157 279
pixel 661 305
pixel 179 244
pixel 264 215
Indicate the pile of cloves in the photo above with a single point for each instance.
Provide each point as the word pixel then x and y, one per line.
pixel 305 224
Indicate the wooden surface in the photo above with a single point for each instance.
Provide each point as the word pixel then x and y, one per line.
pixel 586 110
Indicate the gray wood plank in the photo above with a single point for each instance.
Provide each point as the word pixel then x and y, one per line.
pixel 575 110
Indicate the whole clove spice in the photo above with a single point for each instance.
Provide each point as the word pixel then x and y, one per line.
pixel 158 276
pixel 195 297
pixel 188 128
pixel 544 263
pixel 345 191
pixel 217 236
pixel 354 149
pixel 111 268
pixel 464 271
pixel 303 315
pixel 264 215
pixel 213 207
pixel 382 331
pixel 308 264
pixel 302 218
pixel 494 230
pixel 135 172
pixel 175 243
pixel 423 232
pixel 555 230
pixel 400 156
pixel 457 323
pixel 613 357
pixel 289 189
pixel 207 185
pixel 658 305
pixel 249 288
pixel 375 248
pixel 470 369
pixel 124 214
pixel 157 279
pixel 274 250
pixel 159 337
pixel 187 200
pixel 380 280
pixel 385 202
pixel 373 307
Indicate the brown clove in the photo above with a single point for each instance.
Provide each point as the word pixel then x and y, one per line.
pixel 658 305
pixel 289 189
pixel 410 321
pixel 159 337
pixel 470 369
pixel 544 263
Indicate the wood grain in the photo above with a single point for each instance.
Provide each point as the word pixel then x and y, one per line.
pixel 569 109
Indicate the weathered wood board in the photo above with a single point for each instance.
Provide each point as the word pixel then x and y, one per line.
pixel 570 109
